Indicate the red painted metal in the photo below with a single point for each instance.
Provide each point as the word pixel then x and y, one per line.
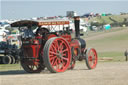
pixel 53 23
pixel 67 37
pixel 31 49
pixel 50 36
pixel 59 55
pixel 75 43
pixel 92 58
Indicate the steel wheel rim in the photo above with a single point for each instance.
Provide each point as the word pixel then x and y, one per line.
pixel 59 55
pixel 31 68
pixel 72 64
pixel 92 58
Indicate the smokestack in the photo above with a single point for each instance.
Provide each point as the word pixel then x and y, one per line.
pixel 77 26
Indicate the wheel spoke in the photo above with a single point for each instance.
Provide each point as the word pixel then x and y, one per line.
pixel 63 63
pixel 54 53
pixel 65 58
pixel 59 61
pixel 54 48
pixel 51 55
pixel 55 62
pixel 61 46
pixel 57 45
pixel 52 61
pixel 94 62
pixel 52 58
pixel 57 65
pixel 64 55
pixel 65 50
pixel 90 58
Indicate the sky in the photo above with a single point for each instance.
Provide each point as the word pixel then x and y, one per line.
pixel 18 9
pixel 0 9
pixel 64 0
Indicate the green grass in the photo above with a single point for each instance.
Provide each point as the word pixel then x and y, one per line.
pixel 111 39
pixel 111 46
pixel 9 67
pixel 108 40
pixel 105 19
pixel 93 33
pixel 111 56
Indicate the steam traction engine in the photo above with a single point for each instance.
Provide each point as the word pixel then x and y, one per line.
pixel 53 48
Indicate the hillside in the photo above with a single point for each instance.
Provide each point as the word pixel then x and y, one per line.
pixel 111 43
pixel 109 19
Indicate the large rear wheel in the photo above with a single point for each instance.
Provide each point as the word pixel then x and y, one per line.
pixel 91 58
pixel 57 55
pixel 31 68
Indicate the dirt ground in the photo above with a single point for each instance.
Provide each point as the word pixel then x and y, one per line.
pixel 107 73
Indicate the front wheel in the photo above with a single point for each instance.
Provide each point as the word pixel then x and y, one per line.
pixel 91 58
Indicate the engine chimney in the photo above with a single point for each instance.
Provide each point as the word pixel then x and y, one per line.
pixel 77 26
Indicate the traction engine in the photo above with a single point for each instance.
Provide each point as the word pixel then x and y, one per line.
pixel 55 50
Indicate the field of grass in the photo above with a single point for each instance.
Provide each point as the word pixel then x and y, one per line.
pixel 8 67
pixel 111 44
pixel 107 20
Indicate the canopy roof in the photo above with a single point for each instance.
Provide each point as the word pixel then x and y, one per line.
pixel 39 23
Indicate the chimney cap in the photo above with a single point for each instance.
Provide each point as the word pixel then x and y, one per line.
pixel 77 18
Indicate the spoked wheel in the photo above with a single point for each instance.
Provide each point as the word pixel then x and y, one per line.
pixel 57 55
pixel 13 60
pixel 91 58
pixel 7 59
pixel 31 68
